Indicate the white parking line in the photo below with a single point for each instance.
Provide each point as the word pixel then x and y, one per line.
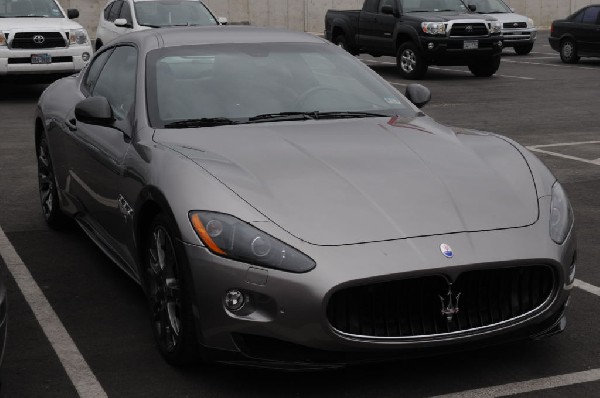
pixel 536 148
pixel 551 65
pixel 468 72
pixel 71 359
pixel 587 287
pixel 523 387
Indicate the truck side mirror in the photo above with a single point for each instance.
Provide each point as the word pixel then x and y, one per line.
pixel 72 13
pixel 388 10
pixel 472 7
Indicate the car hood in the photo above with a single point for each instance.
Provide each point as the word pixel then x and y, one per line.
pixel 447 16
pixel 366 180
pixel 37 24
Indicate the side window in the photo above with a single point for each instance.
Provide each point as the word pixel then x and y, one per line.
pixel 591 15
pixel 107 11
pixel 579 17
pixel 126 12
pixel 115 10
pixel 371 5
pixel 93 71
pixel 117 81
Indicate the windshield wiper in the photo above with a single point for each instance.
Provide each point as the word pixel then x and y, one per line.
pixel 282 116
pixel 203 122
pixel 152 26
pixel 346 115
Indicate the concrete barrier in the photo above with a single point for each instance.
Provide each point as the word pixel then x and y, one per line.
pixel 308 15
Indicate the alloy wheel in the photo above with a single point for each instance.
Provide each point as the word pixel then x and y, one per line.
pixel 45 179
pixel 408 60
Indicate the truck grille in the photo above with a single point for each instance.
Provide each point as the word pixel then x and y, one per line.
pixel 412 307
pixel 515 25
pixel 30 40
pixel 469 29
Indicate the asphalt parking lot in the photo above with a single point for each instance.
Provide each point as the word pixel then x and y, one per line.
pixel 95 308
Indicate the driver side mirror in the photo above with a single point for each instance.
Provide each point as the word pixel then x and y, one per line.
pixel 95 110
pixel 222 21
pixel 389 10
pixel 472 7
pixel 72 13
pixel 123 23
pixel 418 95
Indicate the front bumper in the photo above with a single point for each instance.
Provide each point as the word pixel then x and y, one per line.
pixel 515 37
pixel 65 60
pixel 449 51
pixel 285 320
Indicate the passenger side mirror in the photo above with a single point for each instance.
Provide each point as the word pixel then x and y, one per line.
pixel 94 110
pixel 387 9
pixel 418 95
pixel 72 13
pixel 123 23
pixel 472 7
pixel 222 21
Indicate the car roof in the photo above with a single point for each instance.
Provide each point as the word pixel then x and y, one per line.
pixel 199 35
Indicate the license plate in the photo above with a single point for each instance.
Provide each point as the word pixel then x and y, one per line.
pixel 41 59
pixel 470 44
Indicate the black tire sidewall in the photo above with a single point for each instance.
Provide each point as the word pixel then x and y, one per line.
pixel 421 66
pixel 574 58
pixel 56 219
pixel 487 67
pixel 524 49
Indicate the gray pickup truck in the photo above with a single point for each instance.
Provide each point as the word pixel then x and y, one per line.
pixel 420 33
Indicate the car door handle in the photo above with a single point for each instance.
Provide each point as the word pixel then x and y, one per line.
pixel 72 124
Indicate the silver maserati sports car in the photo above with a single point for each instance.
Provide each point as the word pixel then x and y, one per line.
pixel 282 205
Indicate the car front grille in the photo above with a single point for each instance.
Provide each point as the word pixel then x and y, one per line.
pixel 469 29
pixel 515 25
pixel 413 307
pixel 30 40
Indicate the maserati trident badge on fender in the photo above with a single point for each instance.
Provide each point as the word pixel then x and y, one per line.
pixel 450 304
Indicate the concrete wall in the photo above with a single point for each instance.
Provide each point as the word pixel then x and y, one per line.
pixel 308 15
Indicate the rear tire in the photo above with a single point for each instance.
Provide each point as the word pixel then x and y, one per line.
pixel 342 42
pixel 410 62
pixel 169 298
pixel 568 52
pixel 48 188
pixel 486 67
pixel 524 49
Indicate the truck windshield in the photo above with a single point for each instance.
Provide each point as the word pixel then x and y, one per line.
pixel 173 13
pixel 490 6
pixel 434 5
pixel 253 83
pixel 30 9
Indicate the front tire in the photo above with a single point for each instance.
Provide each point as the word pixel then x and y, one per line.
pixel 410 62
pixel 568 52
pixel 48 189
pixel 486 67
pixel 524 49
pixel 168 295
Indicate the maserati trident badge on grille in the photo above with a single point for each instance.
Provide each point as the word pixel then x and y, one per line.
pixel 39 39
pixel 450 304
pixel 446 250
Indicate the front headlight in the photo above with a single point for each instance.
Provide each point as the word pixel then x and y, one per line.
pixel 229 237
pixel 495 27
pixel 2 39
pixel 433 28
pixel 78 37
pixel 530 23
pixel 561 214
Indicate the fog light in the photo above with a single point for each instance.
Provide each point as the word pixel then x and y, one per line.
pixel 234 300
pixel 85 57
pixel 430 46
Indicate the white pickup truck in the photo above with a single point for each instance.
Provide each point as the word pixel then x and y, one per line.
pixel 38 37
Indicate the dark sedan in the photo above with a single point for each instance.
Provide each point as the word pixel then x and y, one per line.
pixel 578 35
pixel 281 203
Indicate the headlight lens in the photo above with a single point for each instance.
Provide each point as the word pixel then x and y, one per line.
pixel 530 23
pixel 226 236
pixel 433 28
pixel 2 39
pixel 495 27
pixel 561 214
pixel 78 36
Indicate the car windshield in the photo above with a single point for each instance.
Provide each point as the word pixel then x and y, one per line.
pixel 250 83
pixel 30 8
pixel 490 6
pixel 172 13
pixel 433 5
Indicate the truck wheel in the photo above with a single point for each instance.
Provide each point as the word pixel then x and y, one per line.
pixel 486 67
pixel 411 64
pixel 568 52
pixel 524 49
pixel 340 41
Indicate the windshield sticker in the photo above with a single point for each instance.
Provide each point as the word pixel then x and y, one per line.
pixel 393 101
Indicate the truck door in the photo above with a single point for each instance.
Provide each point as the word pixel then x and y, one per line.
pixel 384 28
pixel 367 24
